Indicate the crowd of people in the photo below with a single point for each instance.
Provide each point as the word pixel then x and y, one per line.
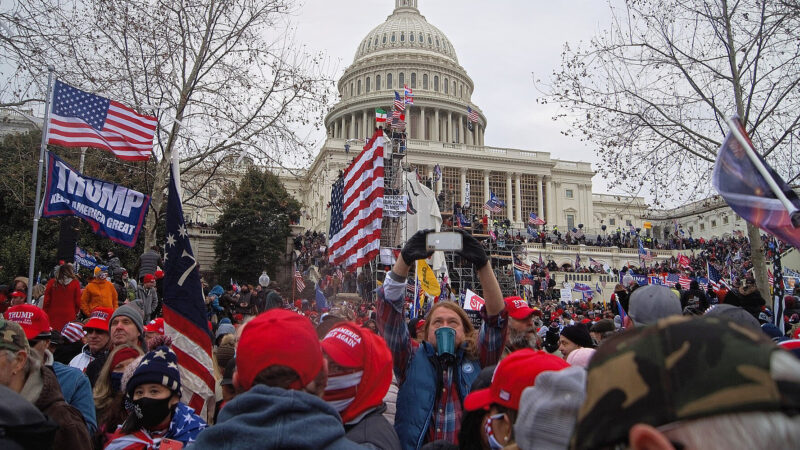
pixel 655 367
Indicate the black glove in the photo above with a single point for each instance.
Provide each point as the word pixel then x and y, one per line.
pixel 416 248
pixel 473 251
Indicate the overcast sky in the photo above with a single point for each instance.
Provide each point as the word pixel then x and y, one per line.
pixel 499 43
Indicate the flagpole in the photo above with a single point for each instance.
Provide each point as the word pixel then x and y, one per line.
pixel 42 152
pixel 516 291
pixel 417 304
pixel 790 208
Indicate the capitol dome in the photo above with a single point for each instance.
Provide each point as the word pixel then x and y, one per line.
pixel 406 29
pixel 407 51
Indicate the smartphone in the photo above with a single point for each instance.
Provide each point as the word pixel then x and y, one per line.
pixel 446 241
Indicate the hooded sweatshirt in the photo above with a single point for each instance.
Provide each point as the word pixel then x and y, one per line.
pixel 98 293
pixel 272 418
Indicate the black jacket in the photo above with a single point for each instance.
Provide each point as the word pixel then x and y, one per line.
pixel 374 430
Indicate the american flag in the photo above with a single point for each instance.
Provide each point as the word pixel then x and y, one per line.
pixel 533 219
pixel 494 204
pixel 398 120
pixel 683 280
pixel 522 267
pixel 81 119
pixel 472 115
pixel 714 277
pixel 357 208
pixel 409 94
pixel 298 280
pixel 399 104
pixel 185 319
pixel 595 264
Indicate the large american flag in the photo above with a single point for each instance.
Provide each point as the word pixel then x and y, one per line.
pixel 185 317
pixel 683 280
pixel 298 280
pixel 81 119
pixel 357 208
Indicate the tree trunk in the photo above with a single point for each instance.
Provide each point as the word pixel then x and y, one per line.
pixel 157 197
pixel 759 261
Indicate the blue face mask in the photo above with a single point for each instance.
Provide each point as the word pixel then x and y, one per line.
pixel 116 381
pixel 493 444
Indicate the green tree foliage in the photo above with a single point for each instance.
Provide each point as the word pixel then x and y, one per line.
pixel 254 227
pixel 19 157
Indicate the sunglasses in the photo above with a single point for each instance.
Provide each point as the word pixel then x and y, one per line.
pixel 94 331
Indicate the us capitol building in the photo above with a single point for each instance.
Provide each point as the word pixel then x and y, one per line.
pixel 407 50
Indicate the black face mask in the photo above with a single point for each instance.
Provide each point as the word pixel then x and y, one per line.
pixel 116 381
pixel 149 412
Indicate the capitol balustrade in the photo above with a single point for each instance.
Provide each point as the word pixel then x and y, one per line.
pixel 457 149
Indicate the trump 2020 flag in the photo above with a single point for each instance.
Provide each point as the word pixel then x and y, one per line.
pixel 185 310
pixel 748 192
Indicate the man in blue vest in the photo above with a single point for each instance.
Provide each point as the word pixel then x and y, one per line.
pixel 435 375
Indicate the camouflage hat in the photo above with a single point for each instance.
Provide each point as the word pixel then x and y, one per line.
pixel 12 336
pixel 681 368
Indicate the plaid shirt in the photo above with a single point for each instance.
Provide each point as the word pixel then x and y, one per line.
pixel 392 325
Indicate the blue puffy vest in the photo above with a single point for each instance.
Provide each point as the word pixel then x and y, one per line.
pixel 417 396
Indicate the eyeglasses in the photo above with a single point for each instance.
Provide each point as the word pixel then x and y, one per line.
pixel 94 331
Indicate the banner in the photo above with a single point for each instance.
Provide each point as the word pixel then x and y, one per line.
pixel 394 205
pixel 427 279
pixel 641 280
pixel 85 259
pixel 466 195
pixel 112 210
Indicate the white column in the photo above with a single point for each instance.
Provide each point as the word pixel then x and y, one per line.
pixel 352 125
pixel 557 202
pixel 486 190
pixel 468 136
pixel 481 131
pixel 518 197
pixel 335 128
pixel 367 129
pixel 509 200
pixel 422 127
pixel 475 134
pixel 461 137
pixel 449 126
pixel 463 173
pixel 436 124
pixel 540 211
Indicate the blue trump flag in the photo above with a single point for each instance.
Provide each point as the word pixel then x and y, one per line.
pixel 111 210
pixel 753 189
pixel 184 307
pixel 322 301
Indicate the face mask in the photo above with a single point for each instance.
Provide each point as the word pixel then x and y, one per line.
pixel 102 275
pixel 493 444
pixel 150 412
pixel 116 381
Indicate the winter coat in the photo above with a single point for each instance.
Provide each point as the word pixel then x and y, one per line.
pixel 373 429
pixel 82 359
pixel 42 389
pixel 390 400
pixel 184 427
pixel 417 396
pixel 77 392
pixel 148 263
pixel 98 293
pixel 149 299
pixel 272 418
pixel 61 302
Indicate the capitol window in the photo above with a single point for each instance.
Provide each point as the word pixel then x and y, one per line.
pixel 454 88
pixel 570 221
pixel 713 224
pixel 425 81
pixel 446 84
pixel 392 37
pixel 628 223
pixel 369 44
pixel 351 89
pixel 702 226
pixel 384 38
pixel 421 40
pixel 436 83
pixel 358 88
pixel 377 82
pixel 402 37
pixel 388 81
pixel 402 80
pixel 437 42
pixel 369 84
pixel 462 91
pixel 413 80
pixel 569 193
pixel 612 222
pixel 411 37
pixel 725 220
pixel 430 41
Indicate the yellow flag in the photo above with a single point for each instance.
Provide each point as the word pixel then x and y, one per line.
pixel 648 225
pixel 427 279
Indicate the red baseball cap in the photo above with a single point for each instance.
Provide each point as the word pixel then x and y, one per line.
pixel 99 319
pixel 19 294
pixel 32 319
pixel 155 326
pixel 278 337
pixel 420 324
pixel 344 345
pixel 148 278
pixel 514 373
pixel 518 308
